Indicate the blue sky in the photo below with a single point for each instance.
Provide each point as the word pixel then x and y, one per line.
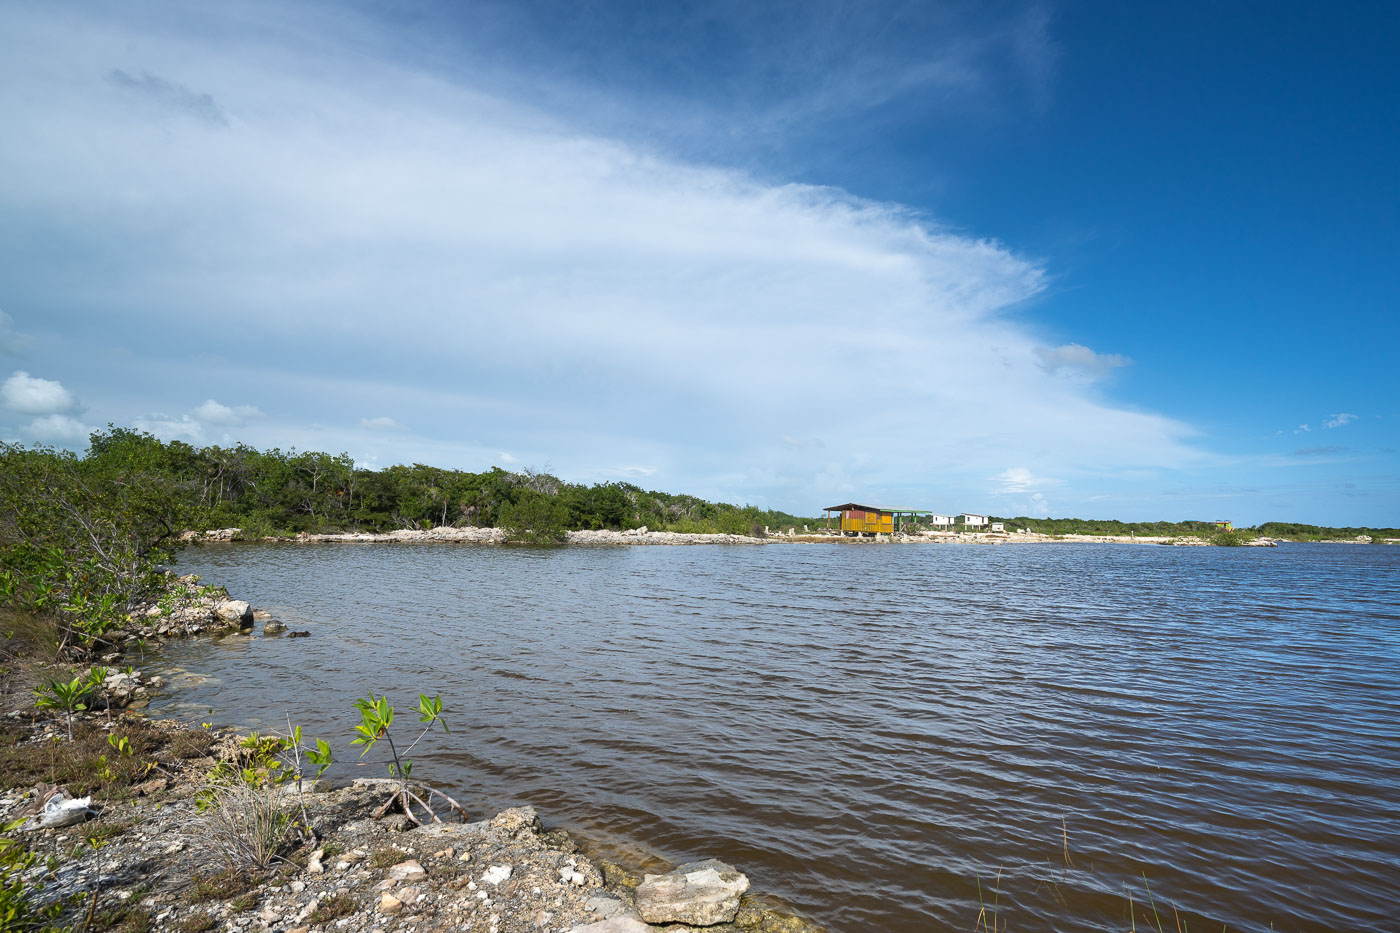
pixel 1113 260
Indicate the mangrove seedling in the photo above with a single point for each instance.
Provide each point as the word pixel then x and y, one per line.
pixel 376 716
pixel 68 697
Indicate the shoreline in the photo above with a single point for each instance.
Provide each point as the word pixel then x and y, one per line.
pixel 645 537
pixel 155 868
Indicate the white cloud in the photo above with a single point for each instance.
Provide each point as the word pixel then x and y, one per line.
pixel 1020 480
pixel 1074 359
pixel 169 428
pixel 633 472
pixel 1340 420
pixel 1017 479
pixel 382 423
pixel 1301 429
pixel 28 395
pixel 58 429
pixel 211 412
pixel 507 458
pixel 1040 506
pixel 526 283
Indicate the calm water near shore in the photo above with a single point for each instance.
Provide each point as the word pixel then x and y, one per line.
pixel 865 730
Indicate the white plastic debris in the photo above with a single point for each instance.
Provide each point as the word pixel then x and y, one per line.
pixel 62 810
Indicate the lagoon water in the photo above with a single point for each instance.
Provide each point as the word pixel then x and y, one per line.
pixel 872 732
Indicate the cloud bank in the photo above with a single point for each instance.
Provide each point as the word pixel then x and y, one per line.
pixel 335 234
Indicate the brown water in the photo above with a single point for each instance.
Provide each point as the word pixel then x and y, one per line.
pixel 868 730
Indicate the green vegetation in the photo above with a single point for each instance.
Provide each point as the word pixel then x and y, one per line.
pixel 19 907
pixel 1093 526
pixel 68 697
pixel 1287 531
pixel 152 490
pixel 1294 531
pixel 81 537
pixel 376 716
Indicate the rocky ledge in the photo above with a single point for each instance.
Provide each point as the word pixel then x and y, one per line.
pixel 472 535
pixel 156 868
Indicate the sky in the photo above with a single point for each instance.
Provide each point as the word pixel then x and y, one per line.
pixel 1134 261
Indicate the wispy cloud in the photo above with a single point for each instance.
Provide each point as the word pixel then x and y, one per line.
pixel 170 427
pixel 1318 451
pixel 1339 420
pixel 212 412
pixel 1301 429
pixel 1078 360
pixel 1020 480
pixel 12 342
pixel 382 423
pixel 530 286
pixel 169 95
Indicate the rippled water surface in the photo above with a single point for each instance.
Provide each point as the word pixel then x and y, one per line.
pixel 867 730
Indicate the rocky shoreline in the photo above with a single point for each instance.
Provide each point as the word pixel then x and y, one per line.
pixel 144 858
pixel 643 536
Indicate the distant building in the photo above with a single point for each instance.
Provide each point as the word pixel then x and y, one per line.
pixel 859 519
pixel 1225 525
pixel 998 526
pixel 973 521
pixel 941 521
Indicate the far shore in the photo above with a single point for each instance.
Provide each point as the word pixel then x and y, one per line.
pixel 643 536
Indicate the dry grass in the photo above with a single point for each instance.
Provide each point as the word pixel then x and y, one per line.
pixel 247 826
pixel 28 635
pixel 221 887
pixel 197 923
pixel 78 764
pixel 333 908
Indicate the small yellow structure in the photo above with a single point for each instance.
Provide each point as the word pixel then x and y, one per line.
pixel 1225 524
pixel 857 519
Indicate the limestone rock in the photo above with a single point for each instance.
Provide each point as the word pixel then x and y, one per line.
pixel 614 925
pixel 516 820
pixel 496 874
pixel 273 627
pixel 235 612
pixel 390 904
pixel 701 893
pixel 409 870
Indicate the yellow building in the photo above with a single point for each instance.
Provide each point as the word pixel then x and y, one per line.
pixel 859 519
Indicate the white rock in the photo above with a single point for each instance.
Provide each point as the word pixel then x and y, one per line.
pixel 615 925
pixel 409 870
pixel 235 610
pixel 496 874
pixel 700 893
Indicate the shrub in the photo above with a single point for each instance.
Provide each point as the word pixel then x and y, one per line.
pixel 535 518
pixel 376 716
pixel 18 907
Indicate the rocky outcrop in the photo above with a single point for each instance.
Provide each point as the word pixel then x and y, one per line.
pixel 236 612
pixel 699 893
pixel 121 689
pixel 471 535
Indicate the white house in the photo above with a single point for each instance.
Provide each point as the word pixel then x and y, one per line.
pixel 973 521
pixel 941 521
pixel 998 526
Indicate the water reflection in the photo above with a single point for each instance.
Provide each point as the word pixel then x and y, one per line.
pixel 865 730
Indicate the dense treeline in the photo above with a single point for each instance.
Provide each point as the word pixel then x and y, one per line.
pixel 284 492
pixel 1290 531
pixel 1093 526
pixel 1295 531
